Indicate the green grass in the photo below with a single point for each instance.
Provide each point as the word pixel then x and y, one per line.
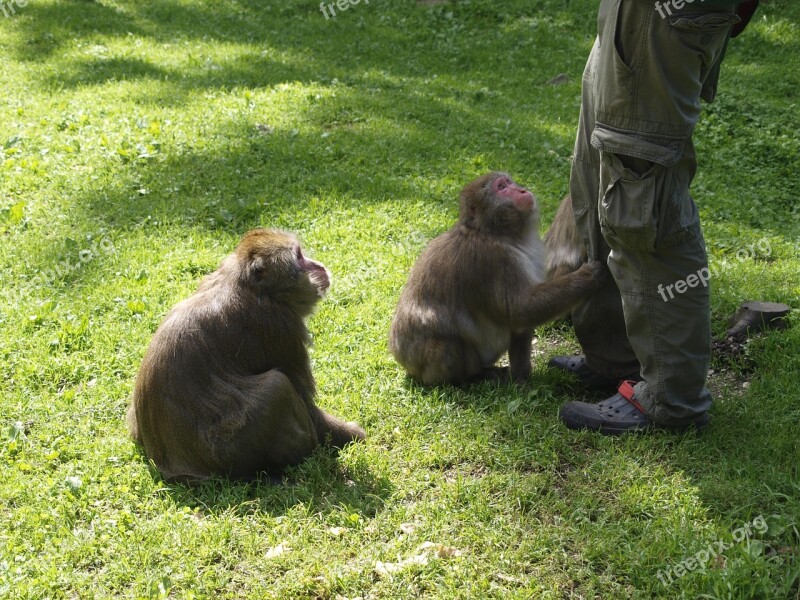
pixel 153 133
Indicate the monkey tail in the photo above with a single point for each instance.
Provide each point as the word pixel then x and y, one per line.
pixel 565 249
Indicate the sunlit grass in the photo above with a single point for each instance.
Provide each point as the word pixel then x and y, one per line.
pixel 168 128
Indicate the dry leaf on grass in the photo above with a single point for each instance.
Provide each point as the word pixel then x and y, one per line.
pixel 407 528
pixel 440 550
pixel 276 551
pixel 426 552
pixel 386 569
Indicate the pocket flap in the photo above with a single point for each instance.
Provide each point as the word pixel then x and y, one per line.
pixel 664 150
pixel 704 23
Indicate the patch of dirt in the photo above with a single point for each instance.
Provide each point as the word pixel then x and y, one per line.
pixel 732 353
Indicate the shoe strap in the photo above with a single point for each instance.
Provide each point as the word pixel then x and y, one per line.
pixel 625 390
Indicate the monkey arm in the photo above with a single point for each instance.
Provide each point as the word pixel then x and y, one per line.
pixel 539 303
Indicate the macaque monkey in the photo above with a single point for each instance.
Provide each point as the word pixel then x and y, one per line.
pixel 479 290
pixel 225 387
pixel 565 249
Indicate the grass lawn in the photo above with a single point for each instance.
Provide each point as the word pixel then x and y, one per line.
pixel 139 139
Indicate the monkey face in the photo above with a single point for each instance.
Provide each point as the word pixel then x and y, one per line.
pixel 275 266
pixel 505 187
pixel 317 274
pixel 495 203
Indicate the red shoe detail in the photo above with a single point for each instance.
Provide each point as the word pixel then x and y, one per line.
pixel 626 391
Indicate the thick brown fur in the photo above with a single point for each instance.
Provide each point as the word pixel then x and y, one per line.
pixel 479 290
pixel 225 387
pixel 565 249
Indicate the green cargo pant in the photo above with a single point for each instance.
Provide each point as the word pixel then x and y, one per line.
pixel 633 163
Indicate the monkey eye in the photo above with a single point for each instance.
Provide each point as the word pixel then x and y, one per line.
pixel 501 185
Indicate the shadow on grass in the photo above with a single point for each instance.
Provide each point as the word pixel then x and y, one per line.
pixel 246 175
pixel 298 25
pixel 321 484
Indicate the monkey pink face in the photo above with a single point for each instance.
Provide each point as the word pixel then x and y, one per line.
pixel 317 273
pixel 506 187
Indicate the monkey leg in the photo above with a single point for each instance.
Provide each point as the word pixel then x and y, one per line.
pixel 449 360
pixel 334 431
pixel 496 374
pixel 519 356
pixel 272 429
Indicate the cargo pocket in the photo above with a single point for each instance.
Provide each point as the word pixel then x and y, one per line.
pixel 629 208
pixel 628 43
pixel 662 149
pixel 628 216
pixel 704 22
pixel 703 34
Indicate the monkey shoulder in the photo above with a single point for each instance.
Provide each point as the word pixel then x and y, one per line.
pixel 530 256
pixel 208 328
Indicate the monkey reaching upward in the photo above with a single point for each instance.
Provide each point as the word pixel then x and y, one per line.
pixel 225 386
pixel 479 290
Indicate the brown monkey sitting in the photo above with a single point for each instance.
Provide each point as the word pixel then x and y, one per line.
pixel 479 290
pixel 225 387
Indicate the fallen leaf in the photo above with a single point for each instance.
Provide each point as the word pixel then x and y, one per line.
pixel 385 569
pixel 276 551
pixel 407 528
pixel 507 578
pixel 440 550
pixel 447 551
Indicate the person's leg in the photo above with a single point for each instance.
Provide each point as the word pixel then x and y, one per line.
pixel 646 83
pixel 599 322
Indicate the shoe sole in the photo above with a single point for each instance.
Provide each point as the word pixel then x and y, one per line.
pixel 589 424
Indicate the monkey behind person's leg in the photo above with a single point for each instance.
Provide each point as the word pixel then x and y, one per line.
pixel 479 290
pixel 603 333
pixel 566 251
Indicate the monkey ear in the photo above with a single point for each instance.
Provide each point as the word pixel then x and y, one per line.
pixel 256 269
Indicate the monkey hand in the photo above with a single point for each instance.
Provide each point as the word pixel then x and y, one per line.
pixel 596 271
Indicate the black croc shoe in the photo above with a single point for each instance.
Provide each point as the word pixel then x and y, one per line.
pixel 588 377
pixel 620 413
